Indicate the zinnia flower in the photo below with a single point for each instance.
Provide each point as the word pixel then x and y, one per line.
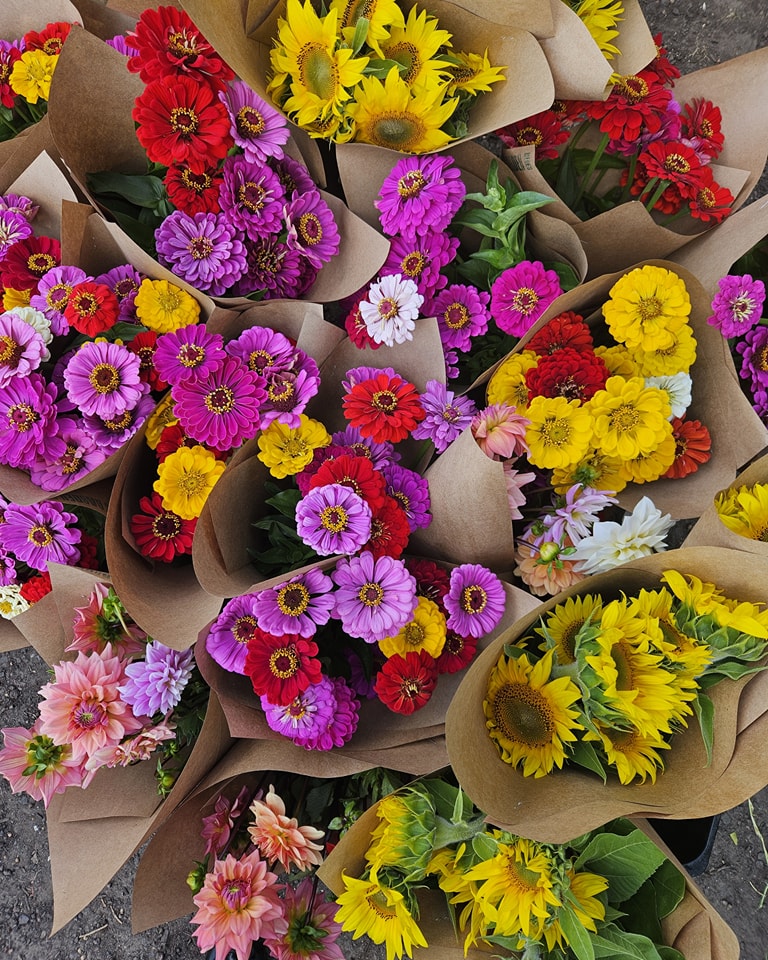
pixel 500 431
pixel 692 447
pixel 406 682
pixel 204 249
pixel 445 415
pixel 738 304
pixel 420 194
pixel 102 379
pixel 161 534
pixel 228 635
pixel 185 480
pixel 333 519
pixel 91 308
pixel 374 598
pixel 187 352
pixel 300 605
pixel 391 309
pixel 162 306
pixel 27 417
pixel 475 601
pixel 286 450
pixel 521 294
pixel 281 667
pixel 256 127
pixel 383 407
pixel 312 229
pixel 40 534
pixel 646 308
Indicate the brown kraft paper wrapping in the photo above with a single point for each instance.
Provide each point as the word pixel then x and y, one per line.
pixel 557 807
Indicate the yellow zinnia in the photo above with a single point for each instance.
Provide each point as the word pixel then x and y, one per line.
pixel 528 715
pixel 594 470
pixel 618 360
pixel 507 385
pixel 677 358
pixel 425 631
pixel 645 308
pixel 647 467
pixel 629 418
pixel 366 908
pixel 161 417
pixel 185 479
pixel 163 307
pixel 16 298
pixel 32 74
pixel 559 432
pixel 390 115
pixel 286 450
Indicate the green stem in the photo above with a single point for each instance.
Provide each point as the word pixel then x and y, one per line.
pixel 663 184
pixel 630 178
pixel 591 168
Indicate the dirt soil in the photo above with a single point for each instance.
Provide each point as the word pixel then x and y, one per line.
pixel 697 34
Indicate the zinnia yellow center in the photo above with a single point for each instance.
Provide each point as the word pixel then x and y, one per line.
pixel 21 417
pixel 387 308
pixel 190 355
pixel 411 184
pixel 40 263
pixel 334 519
pixel 10 351
pixel 200 248
pixel 370 594
pixel 191 483
pixel 676 163
pixel 252 196
pixel 473 599
pixel 167 526
pixel 244 628
pixel 250 121
pixel 220 401
pixel 414 634
pixel 310 228
pixel 183 120
pixel 293 600
pixel 104 378
pixel 525 300
pixel 624 418
pixel 283 663
pixel 40 535
pixel 385 401
pixel 555 431
pixel 456 316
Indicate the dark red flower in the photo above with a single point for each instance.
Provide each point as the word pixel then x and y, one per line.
pixel 7 60
pixel 432 581
pixel 545 131
pixel 182 122
pixel 161 534
pixel 692 447
pixel 567 373
pixel 711 201
pixel 390 530
pixel 173 437
pixel 170 44
pixel 457 652
pixel 672 160
pixel 405 684
pixel 89 552
pixel 92 308
pixel 193 192
pixel 383 408
pixel 356 328
pixel 357 473
pixel 661 65
pixel 565 330
pixel 27 260
pixel 50 40
pixel 702 122
pixel 36 588
pixel 144 346
pixel 281 668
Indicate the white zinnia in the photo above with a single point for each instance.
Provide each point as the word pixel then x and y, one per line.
pixel 677 387
pixel 11 601
pixel 391 308
pixel 38 321
pixel 639 534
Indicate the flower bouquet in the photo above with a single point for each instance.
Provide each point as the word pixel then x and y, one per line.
pixel 448 883
pixel 512 774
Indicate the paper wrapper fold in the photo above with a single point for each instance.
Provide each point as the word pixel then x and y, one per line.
pixel 242 32
pixel 557 807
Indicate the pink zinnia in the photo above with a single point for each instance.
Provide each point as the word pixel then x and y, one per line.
pixel 280 839
pixel 54 767
pixel 82 705
pixel 500 432
pixel 521 294
pixel 238 904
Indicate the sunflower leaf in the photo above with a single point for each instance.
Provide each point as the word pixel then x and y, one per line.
pixel 586 756
pixel 576 935
pixel 625 862
pixel 705 714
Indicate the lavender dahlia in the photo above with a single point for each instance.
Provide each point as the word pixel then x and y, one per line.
pixel 203 249
pixel 738 304
pixel 374 598
pixel 420 194
pixel 475 601
pixel 447 415
pixel 41 533
pixel 27 417
pixel 333 519
pixel 300 605
pixel 155 684
pixel 102 379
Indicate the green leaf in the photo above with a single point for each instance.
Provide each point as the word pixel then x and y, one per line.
pixel 669 953
pixel 642 912
pixel 579 939
pixel 586 756
pixel 380 68
pixel 625 862
pixel 669 885
pixel 140 190
pixel 615 944
pixel 360 35
pixel 565 272
pixel 705 713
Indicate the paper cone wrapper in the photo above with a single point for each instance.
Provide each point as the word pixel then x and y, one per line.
pixel 165 600
pixel 710 530
pixel 86 853
pixel 19 16
pixel 39 621
pixel 93 129
pixel 102 20
pixel 560 806
pixel 242 32
pixel 718 401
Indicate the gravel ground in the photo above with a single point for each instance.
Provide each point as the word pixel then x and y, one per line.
pixel 696 34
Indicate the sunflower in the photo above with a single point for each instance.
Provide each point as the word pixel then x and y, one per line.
pixel 367 908
pixel 746 511
pixel 629 418
pixel 308 62
pixel 561 626
pixel 472 74
pixel 594 470
pixel 583 889
pixel 461 891
pixel 404 835
pixel 508 385
pixel 390 115
pixel 382 17
pixel 645 307
pixel 530 716
pixel 516 891
pixel 685 653
pixel 559 431
pixel 415 48
pixel 632 753
pixel 601 17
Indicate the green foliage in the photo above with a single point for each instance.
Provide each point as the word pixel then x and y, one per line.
pixel 286 550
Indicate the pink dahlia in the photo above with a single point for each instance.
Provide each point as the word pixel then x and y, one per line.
pixel 32 763
pixel 280 839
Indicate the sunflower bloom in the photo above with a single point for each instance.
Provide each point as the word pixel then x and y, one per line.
pixel 382 16
pixel 629 418
pixel 473 73
pixel 633 754
pixel 366 908
pixel 416 46
pixel 745 511
pixel 559 431
pixel 645 307
pixel 584 889
pixel 185 480
pixel 530 716
pixel 561 626
pixel 601 18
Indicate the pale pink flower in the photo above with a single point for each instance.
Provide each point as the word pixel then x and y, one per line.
pixel 237 905
pixel 544 579
pixel 500 431
pixel 280 838
pixel 82 705
pixel 56 768
pixel 140 747
pixel 514 481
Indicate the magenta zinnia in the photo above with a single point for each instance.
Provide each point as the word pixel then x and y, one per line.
pixel 521 294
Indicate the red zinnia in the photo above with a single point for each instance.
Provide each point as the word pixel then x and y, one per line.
pixel 567 373
pixel 50 40
pixel 674 161
pixel 702 121
pixel 405 684
pixel 635 105
pixel 7 94
pixel 357 473
pixel 144 346
pixel 194 192
pixel 661 65
pixel 692 447
pixel 28 260
pixel 432 581
pixel 92 308
pixel 383 408
pixel 544 131
pixel 170 44
pixel 357 330
pixel 390 530
pixel 182 122
pixel 457 652
pixel 565 330
pixel 161 534
pixel 281 668
pixel 173 437
pixel 36 588
pixel 89 552
pixel 711 201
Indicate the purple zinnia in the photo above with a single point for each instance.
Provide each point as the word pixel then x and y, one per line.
pixel 110 433
pixel 333 519
pixel 8 573
pixel 18 203
pixel 203 249
pixel 251 198
pixel 22 348
pixel 311 228
pixel 13 226
pixel 263 350
pixel 53 290
pixel 374 598
pixel 381 454
pixel 462 313
pixel 221 408
pixel 255 126
pixel 27 417
pixel 120 43
pixel 446 415
pixel 228 635
pixel 155 684
pixel 521 294
pixel 190 351
pixel 421 258
pixel 738 305
pixel 420 194
pixel 411 491
pixel 40 534
pixel 475 600
pixel 299 605
pixel 75 455
pixel 288 394
pixel 342 723
pixel 124 281
pixel 306 716
pixel 271 268
pixel 293 176
pixel 102 379
pixel 754 357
